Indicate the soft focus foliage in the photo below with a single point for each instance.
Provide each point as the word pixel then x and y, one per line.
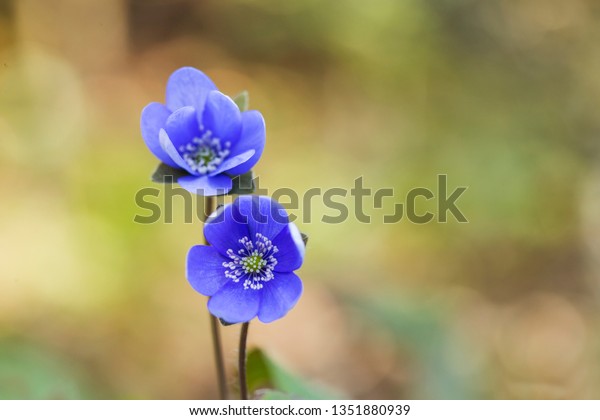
pixel 269 381
pixel 503 96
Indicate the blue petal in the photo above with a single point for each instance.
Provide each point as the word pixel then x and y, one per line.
pixel 205 185
pixel 233 162
pixel 188 86
pixel 253 136
pixel 223 230
pixel 222 117
pixel 167 145
pixel 204 270
pixel 263 215
pixel 182 126
pixel 233 304
pixel 279 296
pixel 291 249
pixel 154 117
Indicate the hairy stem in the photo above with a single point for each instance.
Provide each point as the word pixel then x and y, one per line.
pixel 219 362
pixel 242 361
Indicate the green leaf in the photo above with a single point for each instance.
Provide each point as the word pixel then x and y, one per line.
pixel 243 184
pixel 225 323
pixel 267 377
pixel 304 238
pixel 242 100
pixel 166 174
pixel 271 395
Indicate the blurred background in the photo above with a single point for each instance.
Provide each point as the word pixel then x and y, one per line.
pixel 502 96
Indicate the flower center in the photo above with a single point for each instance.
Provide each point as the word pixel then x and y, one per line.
pixel 204 154
pixel 253 263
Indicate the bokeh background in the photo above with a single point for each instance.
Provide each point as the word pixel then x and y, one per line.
pixel 502 96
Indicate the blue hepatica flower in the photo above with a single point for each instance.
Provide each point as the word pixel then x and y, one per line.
pixel 202 132
pixel 248 268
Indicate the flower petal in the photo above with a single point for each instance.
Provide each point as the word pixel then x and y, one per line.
pixel 182 126
pixel 233 304
pixel 169 148
pixel 222 117
pixel 263 215
pixel 291 249
pixel 279 295
pixel 204 269
pixel 154 117
pixel 205 185
pixel 233 162
pixel 223 230
pixel 252 136
pixel 188 86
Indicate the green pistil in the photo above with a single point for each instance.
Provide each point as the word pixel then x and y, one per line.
pixel 253 263
pixel 204 156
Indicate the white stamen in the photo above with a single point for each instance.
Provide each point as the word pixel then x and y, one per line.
pixel 253 263
pixel 204 154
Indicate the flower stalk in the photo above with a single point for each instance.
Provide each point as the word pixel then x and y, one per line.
pixel 219 362
pixel 214 324
pixel 242 361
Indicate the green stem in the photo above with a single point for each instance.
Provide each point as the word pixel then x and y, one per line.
pixel 242 361
pixel 214 325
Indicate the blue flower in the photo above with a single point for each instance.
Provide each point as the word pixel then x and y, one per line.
pixel 248 268
pixel 202 132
